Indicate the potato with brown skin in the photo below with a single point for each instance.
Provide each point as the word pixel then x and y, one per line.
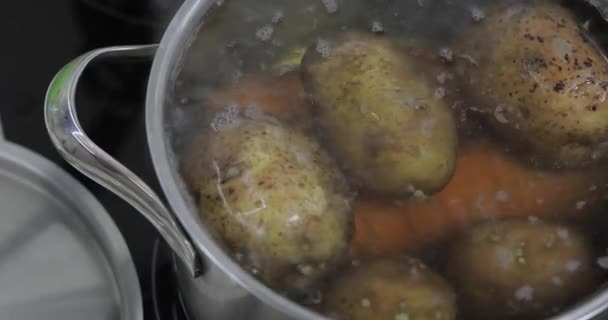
pixel 378 115
pixel 275 198
pixel 541 83
pixel 392 289
pixel 520 268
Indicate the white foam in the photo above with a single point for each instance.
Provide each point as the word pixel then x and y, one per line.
pixel 446 53
pixel 439 93
pixel 330 5
pixel 572 265
pixel 477 14
pixel 525 293
pixel 226 119
pixel 323 47
pixel 264 33
pixel 603 262
pixel 377 27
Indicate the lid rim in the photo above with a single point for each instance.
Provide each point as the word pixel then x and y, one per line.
pixel 93 216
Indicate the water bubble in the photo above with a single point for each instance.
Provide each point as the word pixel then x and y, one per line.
pixel 253 112
pixel 557 281
pixel 572 265
pixel 264 33
pixel 313 297
pixel 231 44
pixel 306 269
pixel 365 303
pixel 278 17
pixel 477 14
pixel 366 111
pixel 239 256
pixel 330 5
pixel 469 59
pixel 377 27
pixel 323 47
pixel 421 3
pixel 235 75
pixel 439 93
pixel 580 205
pixel 276 43
pixel 561 47
pixel 502 196
pixel 226 119
pixel 525 293
pixel 533 219
pixel 442 77
pixel 603 262
pixel 499 114
pixel 426 127
pixel 447 54
pixel 505 259
pixel 563 234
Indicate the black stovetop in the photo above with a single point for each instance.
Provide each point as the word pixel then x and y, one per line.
pixel 38 38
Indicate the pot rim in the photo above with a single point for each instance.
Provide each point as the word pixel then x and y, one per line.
pixel 176 37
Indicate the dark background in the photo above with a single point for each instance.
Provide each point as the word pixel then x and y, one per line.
pixel 38 38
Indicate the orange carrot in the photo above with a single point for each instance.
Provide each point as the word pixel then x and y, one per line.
pixel 487 184
pixel 281 96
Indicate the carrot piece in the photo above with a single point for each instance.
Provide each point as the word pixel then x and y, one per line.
pixel 280 96
pixel 487 184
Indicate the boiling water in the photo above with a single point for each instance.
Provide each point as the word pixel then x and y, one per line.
pixel 246 38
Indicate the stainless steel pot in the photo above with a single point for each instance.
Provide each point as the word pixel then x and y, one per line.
pixel 213 284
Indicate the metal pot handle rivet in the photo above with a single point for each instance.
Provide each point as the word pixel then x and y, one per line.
pixel 80 151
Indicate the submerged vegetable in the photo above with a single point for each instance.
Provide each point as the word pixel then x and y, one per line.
pixel 390 288
pixel 268 95
pixel 275 198
pixel 488 184
pixel 521 268
pixel 542 83
pixel 319 138
pixel 378 116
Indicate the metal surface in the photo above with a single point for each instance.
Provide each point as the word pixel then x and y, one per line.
pixel 214 295
pixel 73 144
pixel 61 256
pixel 180 32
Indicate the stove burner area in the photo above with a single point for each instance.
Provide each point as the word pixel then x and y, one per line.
pixel 166 298
pixel 110 102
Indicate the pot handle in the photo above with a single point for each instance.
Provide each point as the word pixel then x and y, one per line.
pixel 80 151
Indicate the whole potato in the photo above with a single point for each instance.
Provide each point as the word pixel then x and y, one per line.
pixel 275 197
pixel 392 289
pixel 520 268
pixel 379 116
pixel 542 83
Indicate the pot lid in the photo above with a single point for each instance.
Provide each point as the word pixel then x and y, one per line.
pixel 61 256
